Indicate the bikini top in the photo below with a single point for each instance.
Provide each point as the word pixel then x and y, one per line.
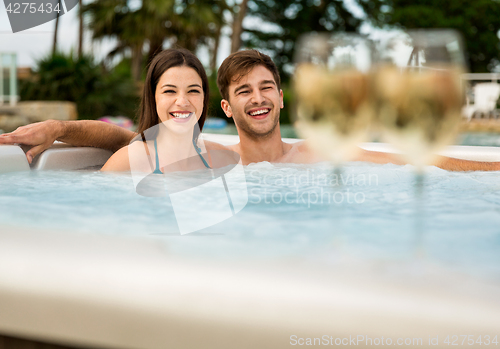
pixel 198 150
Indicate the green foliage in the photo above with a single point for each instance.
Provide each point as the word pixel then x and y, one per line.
pixel 292 18
pixel 477 20
pixel 185 23
pixel 96 91
pixel 286 116
pixel 214 108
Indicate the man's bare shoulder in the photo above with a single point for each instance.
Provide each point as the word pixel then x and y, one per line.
pixel 298 153
pixel 215 146
pixel 233 147
pixel 217 159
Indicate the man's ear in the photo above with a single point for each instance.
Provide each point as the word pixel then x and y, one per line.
pixel 282 105
pixel 227 108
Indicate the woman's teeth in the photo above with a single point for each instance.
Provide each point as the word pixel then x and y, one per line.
pixel 181 115
pixel 259 112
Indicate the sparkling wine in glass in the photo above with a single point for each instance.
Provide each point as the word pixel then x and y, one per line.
pixel 331 85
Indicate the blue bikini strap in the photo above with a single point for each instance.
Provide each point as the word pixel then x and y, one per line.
pixel 157 169
pixel 198 150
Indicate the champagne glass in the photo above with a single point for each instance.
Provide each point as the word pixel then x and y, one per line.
pixel 331 85
pixel 333 113
pixel 418 98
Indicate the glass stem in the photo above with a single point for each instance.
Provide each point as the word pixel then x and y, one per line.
pixel 419 214
pixel 338 207
pixel 337 173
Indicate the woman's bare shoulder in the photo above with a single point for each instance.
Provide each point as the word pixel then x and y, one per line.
pixel 119 161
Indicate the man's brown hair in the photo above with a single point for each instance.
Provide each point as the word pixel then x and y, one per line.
pixel 238 64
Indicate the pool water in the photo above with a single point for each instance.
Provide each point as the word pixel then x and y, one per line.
pixel 488 139
pixel 294 211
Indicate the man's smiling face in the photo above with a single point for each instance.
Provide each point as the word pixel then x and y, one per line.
pixel 254 103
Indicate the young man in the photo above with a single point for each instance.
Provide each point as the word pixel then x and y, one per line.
pixel 249 84
pixel 250 87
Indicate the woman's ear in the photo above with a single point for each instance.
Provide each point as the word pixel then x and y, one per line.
pixel 227 108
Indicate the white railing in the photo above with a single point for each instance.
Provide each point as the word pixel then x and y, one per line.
pixel 8 65
pixel 493 77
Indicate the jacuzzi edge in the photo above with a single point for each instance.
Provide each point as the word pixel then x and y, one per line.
pixel 62 156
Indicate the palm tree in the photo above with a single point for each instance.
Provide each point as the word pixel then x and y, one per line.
pixel 182 22
pixel 80 28
pixel 158 18
pixel 238 26
pixel 200 23
pixel 114 19
pixel 54 43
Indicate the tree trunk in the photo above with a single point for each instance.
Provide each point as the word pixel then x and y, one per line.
pixel 238 27
pixel 80 29
pixel 155 46
pixel 136 61
pixel 215 49
pixel 54 43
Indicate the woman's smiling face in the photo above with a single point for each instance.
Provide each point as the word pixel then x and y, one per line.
pixel 179 98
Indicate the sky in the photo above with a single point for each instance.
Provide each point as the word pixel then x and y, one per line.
pixel 35 43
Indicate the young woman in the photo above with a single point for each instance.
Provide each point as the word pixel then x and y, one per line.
pixel 172 113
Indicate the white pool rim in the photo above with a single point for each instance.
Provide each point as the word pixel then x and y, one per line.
pixel 65 157
pixel 129 292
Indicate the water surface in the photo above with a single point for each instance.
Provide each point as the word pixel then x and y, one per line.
pixel 294 211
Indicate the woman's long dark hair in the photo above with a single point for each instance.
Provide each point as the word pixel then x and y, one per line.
pixel 174 57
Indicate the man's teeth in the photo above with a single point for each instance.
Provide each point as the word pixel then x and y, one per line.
pixel 259 112
pixel 181 115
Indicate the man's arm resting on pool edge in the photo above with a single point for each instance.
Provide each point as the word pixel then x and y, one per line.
pixel 41 135
pixel 452 164
pixel 446 163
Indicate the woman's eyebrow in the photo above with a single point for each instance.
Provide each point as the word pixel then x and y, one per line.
pixel 170 85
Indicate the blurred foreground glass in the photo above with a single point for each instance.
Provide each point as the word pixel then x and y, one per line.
pixel 333 114
pixel 418 98
pixel 331 89
pixel 417 92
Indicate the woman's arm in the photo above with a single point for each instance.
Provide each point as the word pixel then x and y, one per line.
pixel 118 162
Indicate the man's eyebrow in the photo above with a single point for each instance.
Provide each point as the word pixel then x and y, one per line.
pixel 241 88
pixel 268 82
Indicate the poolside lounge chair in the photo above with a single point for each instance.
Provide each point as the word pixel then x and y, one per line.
pixel 485 100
